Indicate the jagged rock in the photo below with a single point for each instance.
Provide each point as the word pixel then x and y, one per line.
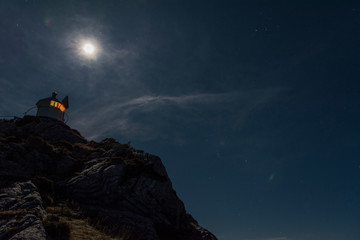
pixel 144 202
pixel 96 182
pixel 127 189
pixel 43 127
pixel 155 161
pixel 22 212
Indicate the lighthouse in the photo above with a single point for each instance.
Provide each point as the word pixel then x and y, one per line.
pixel 52 107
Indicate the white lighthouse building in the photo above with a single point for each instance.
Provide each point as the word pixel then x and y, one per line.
pixel 52 107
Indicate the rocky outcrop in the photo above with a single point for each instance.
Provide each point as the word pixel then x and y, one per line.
pixel 46 128
pixel 124 189
pixel 22 212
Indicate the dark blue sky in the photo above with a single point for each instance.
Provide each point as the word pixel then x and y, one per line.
pixel 253 106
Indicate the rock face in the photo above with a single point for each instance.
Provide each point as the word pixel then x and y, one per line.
pixel 124 189
pixel 22 212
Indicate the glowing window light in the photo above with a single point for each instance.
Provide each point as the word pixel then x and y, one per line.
pixel 57 105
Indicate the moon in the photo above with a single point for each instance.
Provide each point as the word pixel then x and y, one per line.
pixel 88 48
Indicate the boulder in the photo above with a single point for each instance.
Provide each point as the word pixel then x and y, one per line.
pixel 22 212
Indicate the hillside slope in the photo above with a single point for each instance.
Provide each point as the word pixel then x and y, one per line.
pixel 57 185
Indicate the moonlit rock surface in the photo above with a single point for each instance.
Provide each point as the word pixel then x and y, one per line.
pixel 24 199
pixel 124 187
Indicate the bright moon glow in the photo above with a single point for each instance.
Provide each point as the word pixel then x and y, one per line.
pixel 88 48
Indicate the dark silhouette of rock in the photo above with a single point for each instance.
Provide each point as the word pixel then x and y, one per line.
pixel 42 127
pixel 126 191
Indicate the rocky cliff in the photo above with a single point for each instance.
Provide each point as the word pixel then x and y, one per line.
pixel 55 184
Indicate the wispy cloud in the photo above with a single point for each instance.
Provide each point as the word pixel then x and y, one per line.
pixel 127 116
pixel 118 115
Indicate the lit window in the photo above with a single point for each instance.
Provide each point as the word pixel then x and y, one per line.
pixel 57 105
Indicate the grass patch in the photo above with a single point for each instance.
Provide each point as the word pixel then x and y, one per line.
pixel 9 214
pixel 65 223
pixel 10 139
pixel 88 147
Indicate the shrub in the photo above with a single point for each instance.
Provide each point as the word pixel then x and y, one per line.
pixel 46 189
pixel 57 230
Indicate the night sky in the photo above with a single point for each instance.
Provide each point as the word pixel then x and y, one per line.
pixel 253 106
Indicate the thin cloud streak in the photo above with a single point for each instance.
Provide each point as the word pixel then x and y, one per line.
pixel 117 116
pixel 125 116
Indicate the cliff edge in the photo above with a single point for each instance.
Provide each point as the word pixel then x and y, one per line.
pixel 55 184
